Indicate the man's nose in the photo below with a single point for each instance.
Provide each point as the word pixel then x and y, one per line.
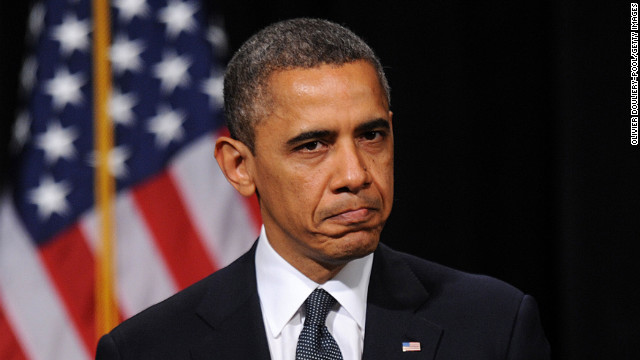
pixel 350 173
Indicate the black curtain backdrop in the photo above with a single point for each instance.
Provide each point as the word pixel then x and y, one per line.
pixel 513 153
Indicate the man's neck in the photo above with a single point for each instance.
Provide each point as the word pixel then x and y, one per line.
pixel 315 270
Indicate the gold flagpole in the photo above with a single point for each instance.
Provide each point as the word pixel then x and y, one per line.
pixel 106 309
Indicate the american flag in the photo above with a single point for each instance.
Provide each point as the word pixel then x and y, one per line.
pixel 174 217
pixel 411 346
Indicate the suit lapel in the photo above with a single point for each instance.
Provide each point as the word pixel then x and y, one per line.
pixel 231 308
pixel 394 316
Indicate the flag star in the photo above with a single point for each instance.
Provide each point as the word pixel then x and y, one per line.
pixel 213 86
pixel 117 158
pixel 36 20
pixel 167 126
pixel 115 161
pixel 57 142
pixel 218 38
pixel 28 74
pixel 125 54
pixel 65 88
pixel 178 17
pixel 172 71
pixel 21 131
pixel 73 34
pixel 128 9
pixel 121 107
pixel 50 197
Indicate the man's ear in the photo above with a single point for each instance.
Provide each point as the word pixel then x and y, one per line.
pixel 234 159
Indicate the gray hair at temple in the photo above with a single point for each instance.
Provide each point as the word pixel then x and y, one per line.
pixel 295 43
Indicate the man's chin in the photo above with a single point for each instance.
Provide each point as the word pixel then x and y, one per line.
pixel 354 245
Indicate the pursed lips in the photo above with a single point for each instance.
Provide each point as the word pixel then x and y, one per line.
pixel 352 216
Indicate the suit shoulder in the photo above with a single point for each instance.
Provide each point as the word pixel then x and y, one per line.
pixel 172 325
pixel 483 315
pixel 165 312
pixel 443 281
pixel 185 302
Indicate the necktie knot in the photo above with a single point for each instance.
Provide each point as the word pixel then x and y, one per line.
pixel 315 341
pixel 317 306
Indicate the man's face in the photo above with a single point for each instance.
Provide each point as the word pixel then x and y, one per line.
pixel 323 164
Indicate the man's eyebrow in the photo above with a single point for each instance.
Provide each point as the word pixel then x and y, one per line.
pixel 310 135
pixel 375 124
pixel 324 134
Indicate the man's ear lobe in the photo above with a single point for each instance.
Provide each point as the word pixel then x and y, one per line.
pixel 234 159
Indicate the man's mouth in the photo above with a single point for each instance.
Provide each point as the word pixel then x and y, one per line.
pixel 352 216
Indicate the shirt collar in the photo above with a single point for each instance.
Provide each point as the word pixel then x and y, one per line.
pixel 283 289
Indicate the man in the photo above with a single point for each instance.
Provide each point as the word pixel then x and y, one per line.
pixel 307 104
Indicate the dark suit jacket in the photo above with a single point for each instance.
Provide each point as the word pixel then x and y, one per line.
pixel 452 314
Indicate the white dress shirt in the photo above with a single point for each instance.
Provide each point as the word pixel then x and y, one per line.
pixel 283 289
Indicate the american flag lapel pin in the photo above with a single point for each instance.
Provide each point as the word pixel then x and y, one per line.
pixel 411 346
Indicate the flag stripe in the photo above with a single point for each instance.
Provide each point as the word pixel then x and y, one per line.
pixel 32 305
pixel 220 216
pixel 9 346
pixel 68 257
pixel 177 238
pixel 142 277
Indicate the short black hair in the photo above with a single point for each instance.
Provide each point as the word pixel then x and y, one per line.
pixel 289 44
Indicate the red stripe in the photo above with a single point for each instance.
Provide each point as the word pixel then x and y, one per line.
pixel 223 131
pixel 10 349
pixel 70 264
pixel 176 236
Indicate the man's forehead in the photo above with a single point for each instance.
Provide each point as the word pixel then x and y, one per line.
pixel 271 71
pixel 324 99
pixel 315 83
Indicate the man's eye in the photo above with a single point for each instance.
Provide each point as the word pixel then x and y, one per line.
pixel 310 146
pixel 372 135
